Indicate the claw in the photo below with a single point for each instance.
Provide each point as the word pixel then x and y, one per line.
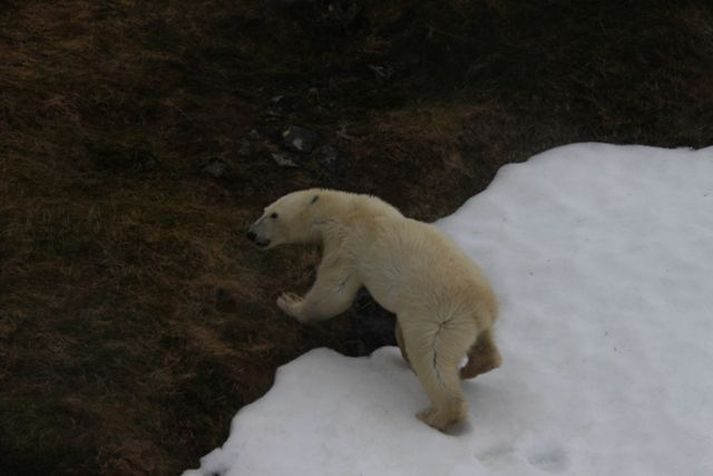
pixel 289 302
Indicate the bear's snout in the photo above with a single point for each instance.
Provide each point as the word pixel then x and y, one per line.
pixel 259 241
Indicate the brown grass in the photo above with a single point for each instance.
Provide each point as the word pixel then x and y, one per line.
pixel 134 320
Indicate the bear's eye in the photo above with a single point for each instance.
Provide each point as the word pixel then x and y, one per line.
pixel 273 215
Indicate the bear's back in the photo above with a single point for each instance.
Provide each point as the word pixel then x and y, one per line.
pixel 405 262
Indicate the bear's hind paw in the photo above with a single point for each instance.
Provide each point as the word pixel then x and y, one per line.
pixel 438 420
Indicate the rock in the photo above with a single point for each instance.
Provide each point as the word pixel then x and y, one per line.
pixel 283 159
pixel 330 158
pixel 145 160
pixel 382 72
pixel 331 14
pixel 299 139
pixel 244 148
pixel 342 12
pixel 216 168
pixel 286 4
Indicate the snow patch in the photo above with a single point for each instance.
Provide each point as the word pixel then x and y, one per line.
pixel 601 256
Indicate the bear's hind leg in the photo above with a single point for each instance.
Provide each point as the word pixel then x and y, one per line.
pixel 483 356
pixel 435 350
pixel 400 341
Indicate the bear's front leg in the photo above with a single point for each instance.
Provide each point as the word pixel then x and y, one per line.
pixel 332 293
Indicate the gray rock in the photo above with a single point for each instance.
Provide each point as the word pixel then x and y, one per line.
pixel 330 158
pixel 343 12
pixel 284 4
pixel 283 159
pixel 382 72
pixel 244 148
pixel 299 139
pixel 145 160
pixel 216 168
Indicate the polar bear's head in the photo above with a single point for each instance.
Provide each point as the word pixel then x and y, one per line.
pixel 290 219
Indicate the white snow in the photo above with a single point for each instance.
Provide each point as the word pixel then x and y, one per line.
pixel 601 256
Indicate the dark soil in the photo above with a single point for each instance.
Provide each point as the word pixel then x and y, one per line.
pixel 139 139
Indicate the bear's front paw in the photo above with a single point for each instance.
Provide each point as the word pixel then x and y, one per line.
pixel 291 304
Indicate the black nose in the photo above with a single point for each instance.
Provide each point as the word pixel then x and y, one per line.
pixel 251 235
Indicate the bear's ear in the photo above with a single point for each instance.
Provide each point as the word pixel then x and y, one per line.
pixel 314 199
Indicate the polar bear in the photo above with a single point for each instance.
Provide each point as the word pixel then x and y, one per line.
pixel 444 306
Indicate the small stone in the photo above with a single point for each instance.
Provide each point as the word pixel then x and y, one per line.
pixel 283 160
pixel 244 148
pixel 343 12
pixel 383 72
pixel 283 4
pixel 299 139
pixel 144 159
pixel 150 163
pixel 216 168
pixel 330 158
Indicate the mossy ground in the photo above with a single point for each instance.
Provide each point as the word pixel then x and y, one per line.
pixel 134 319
